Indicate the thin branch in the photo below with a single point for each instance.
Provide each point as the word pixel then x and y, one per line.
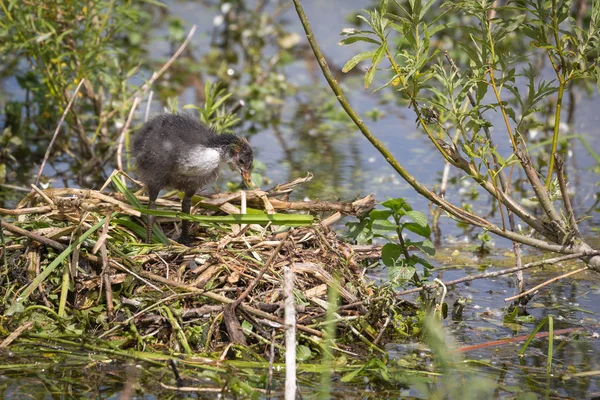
pixel 34 236
pixel 541 285
pixel 62 119
pixel 560 173
pixel 540 191
pixel 148 104
pixel 136 101
pixel 157 74
pixel 497 273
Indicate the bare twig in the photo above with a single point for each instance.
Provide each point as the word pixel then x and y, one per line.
pixel 157 74
pixel 15 334
pixel 62 119
pixel 148 104
pixel 136 101
pixel 38 238
pixel 26 211
pixel 498 273
pixel 541 285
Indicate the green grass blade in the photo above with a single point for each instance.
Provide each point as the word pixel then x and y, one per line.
pixel 125 191
pixel 531 336
pixel 139 230
pixel 157 233
pixel 550 344
pixel 261 219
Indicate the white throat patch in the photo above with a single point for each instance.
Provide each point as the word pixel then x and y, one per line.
pixel 201 161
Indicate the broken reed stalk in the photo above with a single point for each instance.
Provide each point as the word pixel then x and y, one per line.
pixel 290 333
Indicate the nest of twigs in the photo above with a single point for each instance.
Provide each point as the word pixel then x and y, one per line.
pixel 78 254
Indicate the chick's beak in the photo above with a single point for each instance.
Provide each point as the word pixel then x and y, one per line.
pixel 246 177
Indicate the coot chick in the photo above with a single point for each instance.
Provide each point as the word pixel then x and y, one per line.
pixel 178 151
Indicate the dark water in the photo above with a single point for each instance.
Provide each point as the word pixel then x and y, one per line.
pixel 345 165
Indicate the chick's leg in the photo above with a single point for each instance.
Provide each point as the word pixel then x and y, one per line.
pixel 186 204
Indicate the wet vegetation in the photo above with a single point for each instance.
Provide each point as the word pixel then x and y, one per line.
pixel 90 310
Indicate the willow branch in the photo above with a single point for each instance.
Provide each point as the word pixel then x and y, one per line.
pixel 560 174
pixel 411 180
pixel 541 192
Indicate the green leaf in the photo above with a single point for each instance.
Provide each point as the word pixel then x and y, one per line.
pixel 401 273
pixel 425 263
pixel 354 39
pixel 482 88
pixel 303 353
pixel 423 231
pixel 383 226
pixel 379 53
pixel 383 6
pixel 418 217
pixel 390 253
pixel 125 191
pixel 353 62
pixel 398 205
pixel 425 246
pixel 155 3
pixel 360 231
pixel 380 214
